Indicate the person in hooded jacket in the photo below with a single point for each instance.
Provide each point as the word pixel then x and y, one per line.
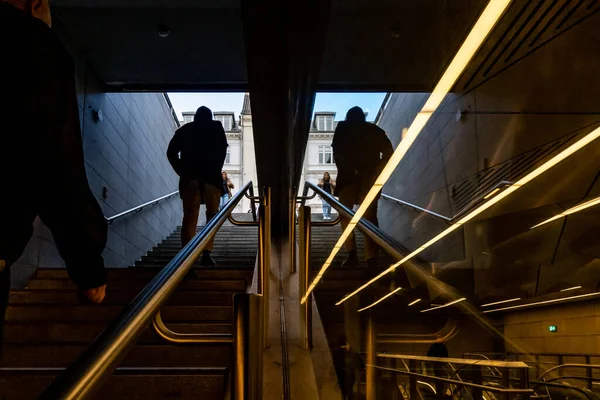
pixel 361 150
pixel 197 153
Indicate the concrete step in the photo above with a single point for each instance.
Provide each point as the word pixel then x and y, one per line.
pixel 105 313
pixel 118 296
pixel 236 262
pixel 43 355
pixel 85 332
pixel 129 384
pixel 188 284
pixel 220 272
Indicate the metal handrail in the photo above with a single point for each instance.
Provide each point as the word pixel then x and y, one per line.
pixel 110 220
pixel 86 375
pixel 382 239
pixel 562 386
pixel 450 220
pixel 416 207
pixel 485 388
pixel 587 366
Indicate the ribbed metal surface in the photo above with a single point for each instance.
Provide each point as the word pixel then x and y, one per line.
pixel 527 25
pixel 464 192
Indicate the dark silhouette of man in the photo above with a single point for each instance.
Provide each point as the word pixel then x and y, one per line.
pixel 361 150
pixel 197 153
pixel 42 172
pixel 347 364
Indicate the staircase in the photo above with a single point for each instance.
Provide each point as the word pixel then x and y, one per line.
pixel 47 329
pixel 338 281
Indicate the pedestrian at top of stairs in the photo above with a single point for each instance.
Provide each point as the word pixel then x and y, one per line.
pixel 197 153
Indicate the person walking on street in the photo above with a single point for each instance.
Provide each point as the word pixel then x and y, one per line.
pixel 42 170
pixel 361 150
pixel 227 186
pixel 197 153
pixel 328 185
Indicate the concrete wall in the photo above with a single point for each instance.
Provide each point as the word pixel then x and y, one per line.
pixel 535 99
pixel 578 329
pixel 125 152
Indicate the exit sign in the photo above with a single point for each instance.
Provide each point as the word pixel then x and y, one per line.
pixel 552 328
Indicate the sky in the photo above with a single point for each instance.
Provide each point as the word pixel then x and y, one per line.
pixel 336 102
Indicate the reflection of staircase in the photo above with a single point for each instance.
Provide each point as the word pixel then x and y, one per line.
pixel 47 328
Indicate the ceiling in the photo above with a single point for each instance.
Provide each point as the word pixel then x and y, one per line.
pixel 371 45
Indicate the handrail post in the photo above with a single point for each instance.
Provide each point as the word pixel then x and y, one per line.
pixel 304 277
pixel 252 204
pixel 292 222
pixel 266 267
pixel 240 348
pixel 412 379
pixel 589 373
pixel 477 378
pixel 371 384
pixel 255 348
pixel 524 381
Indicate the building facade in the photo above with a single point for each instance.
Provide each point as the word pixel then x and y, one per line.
pixel 240 162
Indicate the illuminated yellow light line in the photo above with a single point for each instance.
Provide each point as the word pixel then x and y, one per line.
pixel 381 299
pixel 414 302
pixel 501 302
pixel 580 296
pixel 480 31
pixel 490 194
pixel 584 141
pixel 571 210
pixel 571 288
pixel 445 305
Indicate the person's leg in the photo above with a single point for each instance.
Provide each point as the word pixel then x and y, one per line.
pixel 190 196
pixel 350 387
pixel 348 198
pixel 371 248
pixel 341 375
pixel 324 203
pixel 15 232
pixel 328 211
pixel 80 232
pixel 212 196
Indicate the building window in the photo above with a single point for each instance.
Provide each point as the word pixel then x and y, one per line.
pixel 226 120
pixel 325 155
pixel 228 156
pixel 187 118
pixel 325 123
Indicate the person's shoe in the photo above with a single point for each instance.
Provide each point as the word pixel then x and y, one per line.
pixel 207 260
pixel 95 295
pixel 351 260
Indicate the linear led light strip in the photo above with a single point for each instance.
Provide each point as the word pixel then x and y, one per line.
pixel 445 305
pixel 381 299
pixel 501 302
pixel 571 288
pixel 481 29
pixel 580 296
pixel 584 141
pixel 572 210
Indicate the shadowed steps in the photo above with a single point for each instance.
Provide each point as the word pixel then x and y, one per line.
pixel 47 328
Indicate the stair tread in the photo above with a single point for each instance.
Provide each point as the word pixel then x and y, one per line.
pixel 42 355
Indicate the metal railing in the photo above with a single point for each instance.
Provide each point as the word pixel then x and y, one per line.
pixel 551 366
pixel 85 376
pixel 139 208
pixel 450 220
pixel 432 369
